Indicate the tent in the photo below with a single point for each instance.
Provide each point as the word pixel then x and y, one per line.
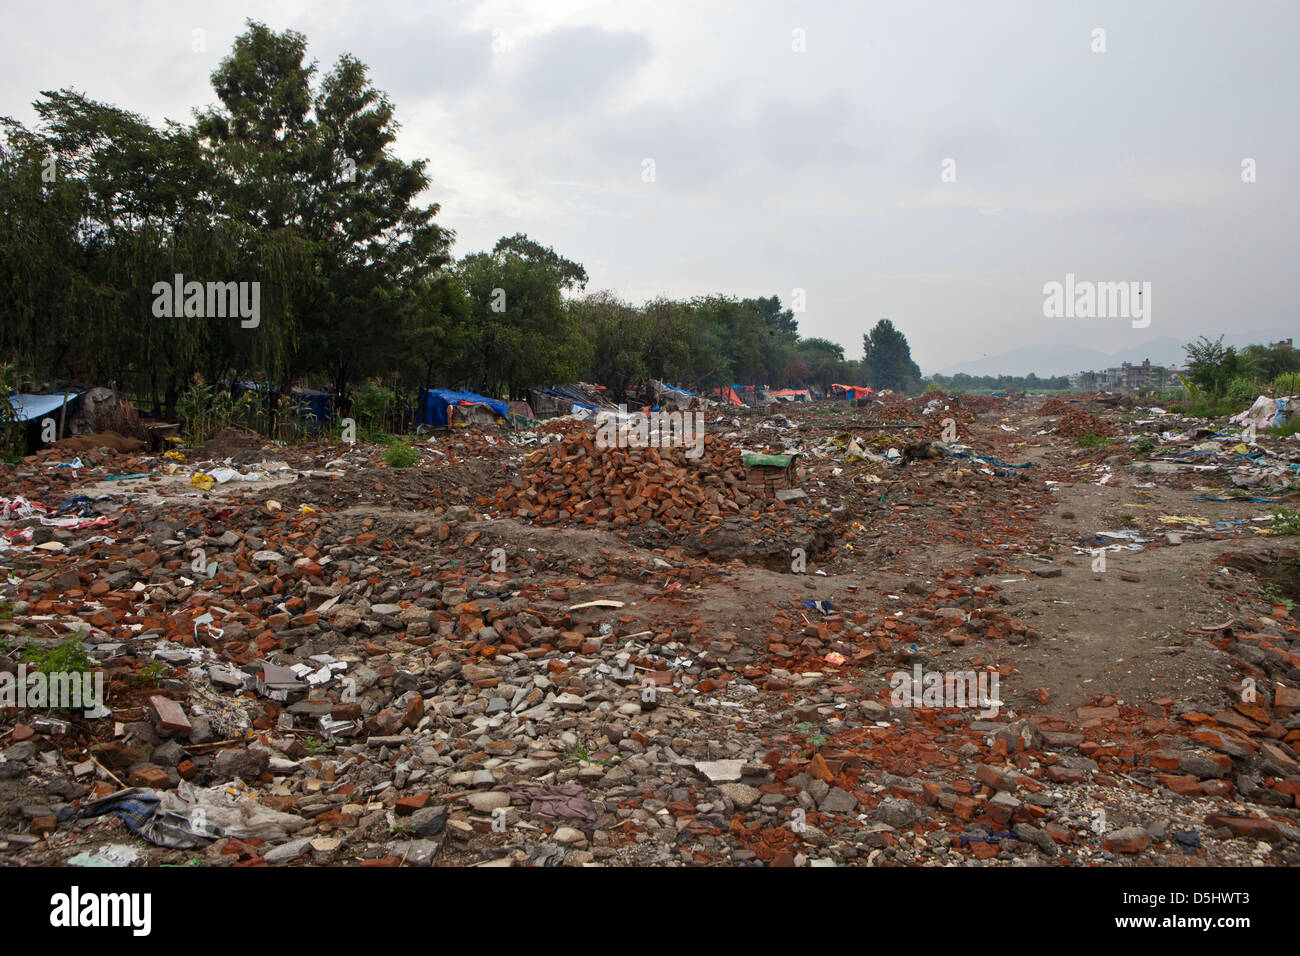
pixel 852 392
pixel 438 405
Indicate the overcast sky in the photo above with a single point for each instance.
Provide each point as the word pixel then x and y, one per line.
pixel 778 168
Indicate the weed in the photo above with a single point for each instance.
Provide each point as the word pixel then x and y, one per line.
pixel 1286 521
pixel 401 454
pixel 151 674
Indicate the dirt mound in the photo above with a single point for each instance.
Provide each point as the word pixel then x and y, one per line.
pixel 234 443
pixel 118 443
pixel 1076 423
pixel 1056 406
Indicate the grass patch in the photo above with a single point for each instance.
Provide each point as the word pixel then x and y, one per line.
pixel 401 454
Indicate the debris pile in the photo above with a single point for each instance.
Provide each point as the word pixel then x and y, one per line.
pixel 578 480
pixel 1075 423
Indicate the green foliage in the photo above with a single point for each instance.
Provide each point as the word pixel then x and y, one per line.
pixel 204 410
pixel 1143 446
pixel 374 406
pixel 1211 366
pixel 65 658
pixel 1090 440
pixel 1241 390
pixel 401 454
pixel 290 181
pixel 1000 383
pixel 519 333
pixel 11 433
pixel 887 359
pixel 1285 521
pixel 1268 362
pixel 1288 383
pixel 152 674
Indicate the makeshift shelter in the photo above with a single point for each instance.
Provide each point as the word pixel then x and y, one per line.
pixel 442 407
pixel 314 408
pixel 69 411
pixel 317 407
pixel 730 395
pixel 566 399
pixel 679 396
pixel 791 394
pixel 851 393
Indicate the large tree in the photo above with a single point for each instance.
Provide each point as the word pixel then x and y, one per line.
pixel 887 358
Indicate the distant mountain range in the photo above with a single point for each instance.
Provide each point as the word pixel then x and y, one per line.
pixel 1050 359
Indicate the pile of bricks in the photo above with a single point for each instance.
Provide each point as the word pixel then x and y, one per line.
pixel 765 481
pixel 578 481
pixel 1074 424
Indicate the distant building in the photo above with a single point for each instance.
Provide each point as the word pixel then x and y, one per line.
pixel 1127 377
pixel 1284 344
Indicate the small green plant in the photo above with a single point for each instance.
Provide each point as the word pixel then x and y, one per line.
pixel 400 829
pixel 66 658
pixel 1274 594
pixel 152 674
pixel 1143 446
pixel 401 454
pixel 1286 521
pixel 314 745
pixel 815 739
pixel 580 754
pixel 1089 440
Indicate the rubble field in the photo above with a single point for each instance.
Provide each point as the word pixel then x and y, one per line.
pixel 964 631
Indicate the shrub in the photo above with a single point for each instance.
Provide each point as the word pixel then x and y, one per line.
pixel 1288 383
pixel 401 454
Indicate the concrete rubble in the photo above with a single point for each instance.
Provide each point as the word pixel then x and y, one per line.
pixel 532 651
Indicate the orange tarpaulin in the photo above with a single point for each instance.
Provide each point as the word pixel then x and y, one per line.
pixel 853 391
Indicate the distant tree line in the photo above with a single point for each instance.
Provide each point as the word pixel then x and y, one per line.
pixel 290 182
pixel 961 382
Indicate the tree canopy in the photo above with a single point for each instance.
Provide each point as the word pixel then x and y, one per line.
pixel 289 181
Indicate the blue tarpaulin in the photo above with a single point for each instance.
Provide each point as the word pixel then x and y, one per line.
pixel 318 407
pixel 31 407
pixel 435 402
